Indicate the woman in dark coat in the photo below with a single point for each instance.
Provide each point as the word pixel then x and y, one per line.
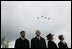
pixel 51 43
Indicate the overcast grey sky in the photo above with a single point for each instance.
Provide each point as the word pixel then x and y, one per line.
pixel 22 15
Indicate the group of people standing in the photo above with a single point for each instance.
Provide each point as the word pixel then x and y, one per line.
pixel 39 42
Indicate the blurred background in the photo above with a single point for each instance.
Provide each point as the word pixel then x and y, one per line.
pixel 27 15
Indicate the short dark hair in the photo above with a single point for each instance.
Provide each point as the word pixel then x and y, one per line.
pixel 22 32
pixel 60 37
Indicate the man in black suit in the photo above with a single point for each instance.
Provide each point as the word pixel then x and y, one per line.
pixel 51 43
pixel 62 44
pixel 22 42
pixel 38 41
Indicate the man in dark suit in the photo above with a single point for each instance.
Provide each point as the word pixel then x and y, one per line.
pixel 62 44
pixel 22 42
pixel 51 43
pixel 38 41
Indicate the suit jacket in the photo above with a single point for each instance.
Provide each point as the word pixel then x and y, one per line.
pixel 36 43
pixel 22 43
pixel 51 44
pixel 62 45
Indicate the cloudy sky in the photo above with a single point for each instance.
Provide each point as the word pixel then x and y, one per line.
pixel 22 15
